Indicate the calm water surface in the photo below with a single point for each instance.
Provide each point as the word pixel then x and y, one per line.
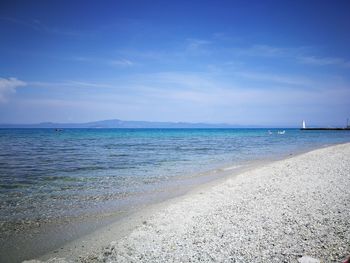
pixel 46 174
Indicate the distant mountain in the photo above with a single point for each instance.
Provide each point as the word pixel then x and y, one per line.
pixel 121 124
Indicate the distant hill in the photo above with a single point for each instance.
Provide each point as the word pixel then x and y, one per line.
pixel 121 124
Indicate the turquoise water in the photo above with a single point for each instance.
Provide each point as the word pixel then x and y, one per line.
pixel 48 174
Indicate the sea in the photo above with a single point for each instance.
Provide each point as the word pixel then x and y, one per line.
pixel 48 174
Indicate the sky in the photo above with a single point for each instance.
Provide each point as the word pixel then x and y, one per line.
pixel 269 63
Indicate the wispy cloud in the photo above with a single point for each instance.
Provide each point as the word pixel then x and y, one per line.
pixel 205 94
pixel 69 83
pixel 297 54
pixel 79 59
pixel 191 96
pixel 190 47
pixel 178 79
pixel 264 51
pixel 277 78
pixel 212 49
pixel 195 44
pixel 8 86
pixel 121 63
pixel 325 61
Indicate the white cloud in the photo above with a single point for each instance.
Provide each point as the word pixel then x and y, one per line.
pixel 103 61
pixel 122 63
pixel 8 86
pixel 70 83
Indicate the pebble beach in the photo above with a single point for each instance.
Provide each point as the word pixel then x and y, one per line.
pixel 293 210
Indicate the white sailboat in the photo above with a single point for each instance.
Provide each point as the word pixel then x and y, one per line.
pixel 303 125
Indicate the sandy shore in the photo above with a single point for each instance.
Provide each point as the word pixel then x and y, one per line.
pixel 294 210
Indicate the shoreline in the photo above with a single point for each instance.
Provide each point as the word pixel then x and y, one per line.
pixel 35 226
pixel 39 238
pixel 68 231
pixel 118 227
pixel 88 247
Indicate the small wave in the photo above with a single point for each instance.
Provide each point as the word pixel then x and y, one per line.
pixel 202 149
pixel 12 186
pixel 230 168
pixel 119 155
pixel 61 178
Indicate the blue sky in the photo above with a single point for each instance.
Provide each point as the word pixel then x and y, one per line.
pixel 269 63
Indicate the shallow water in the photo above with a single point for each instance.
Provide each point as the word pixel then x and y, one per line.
pixel 46 174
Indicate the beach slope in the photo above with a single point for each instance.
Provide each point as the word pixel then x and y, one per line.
pixel 294 210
